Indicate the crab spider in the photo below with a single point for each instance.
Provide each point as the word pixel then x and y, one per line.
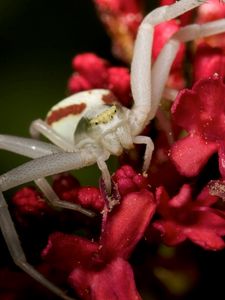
pixel 89 126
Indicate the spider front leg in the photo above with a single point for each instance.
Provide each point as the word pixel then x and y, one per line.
pixel 141 79
pixel 34 149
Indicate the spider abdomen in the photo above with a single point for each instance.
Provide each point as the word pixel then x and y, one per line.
pixel 65 115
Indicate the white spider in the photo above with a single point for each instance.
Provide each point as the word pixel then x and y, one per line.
pixel 89 126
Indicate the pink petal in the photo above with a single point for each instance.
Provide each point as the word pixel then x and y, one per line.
pixel 115 281
pixel 64 252
pixel 205 238
pixel 191 153
pixel 126 224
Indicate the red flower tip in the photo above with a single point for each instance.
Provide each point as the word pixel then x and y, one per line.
pixel 119 84
pixel 78 83
pixel 64 183
pixel 90 197
pixel 28 201
pixel 93 72
pixel 129 181
pixel 91 67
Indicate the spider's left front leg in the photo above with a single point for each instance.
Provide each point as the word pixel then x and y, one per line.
pixel 141 79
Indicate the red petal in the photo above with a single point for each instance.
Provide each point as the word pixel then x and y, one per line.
pixel 64 252
pixel 119 84
pixel 171 233
pixel 182 198
pixel 208 60
pixel 129 181
pixel 205 238
pixel 206 198
pixel 126 224
pixel 162 34
pixel 64 183
pixel 28 201
pixel 191 153
pixel 91 67
pixel 78 83
pixel 162 199
pixel 115 281
pixel 90 197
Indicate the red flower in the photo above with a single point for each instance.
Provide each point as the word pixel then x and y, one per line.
pixel 182 218
pixel 93 72
pixel 201 112
pixel 129 181
pixel 28 201
pixel 103 264
pixel 208 60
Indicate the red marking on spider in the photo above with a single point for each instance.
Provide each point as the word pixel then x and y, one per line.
pixel 109 98
pixel 60 113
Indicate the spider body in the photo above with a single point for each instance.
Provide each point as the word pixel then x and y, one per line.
pixel 87 127
pixel 91 118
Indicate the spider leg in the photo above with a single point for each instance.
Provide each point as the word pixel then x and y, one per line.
pixel 148 151
pixel 17 253
pixel 34 148
pixel 39 126
pixel 26 146
pixel 160 70
pixel 104 169
pixel 38 168
pixel 141 84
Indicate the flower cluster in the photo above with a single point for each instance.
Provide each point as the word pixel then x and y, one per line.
pixel 181 199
